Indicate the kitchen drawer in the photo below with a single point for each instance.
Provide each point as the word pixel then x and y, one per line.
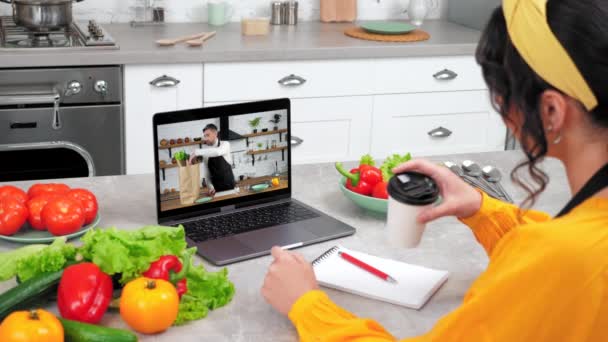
pixel 331 129
pixel 429 74
pixel 404 123
pixel 255 81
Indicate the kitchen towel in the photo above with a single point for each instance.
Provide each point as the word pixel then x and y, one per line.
pixel 189 183
pixel 415 284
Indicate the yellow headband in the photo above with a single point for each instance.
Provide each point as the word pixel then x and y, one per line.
pixel 530 33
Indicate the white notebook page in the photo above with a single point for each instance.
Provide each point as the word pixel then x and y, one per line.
pixel 415 284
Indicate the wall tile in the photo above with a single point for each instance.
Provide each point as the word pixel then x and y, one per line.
pixel 196 10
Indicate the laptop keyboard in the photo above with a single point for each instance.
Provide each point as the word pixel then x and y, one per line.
pixel 248 220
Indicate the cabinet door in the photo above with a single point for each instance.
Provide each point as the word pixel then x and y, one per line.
pixel 331 129
pixel 436 123
pixel 328 129
pixel 151 89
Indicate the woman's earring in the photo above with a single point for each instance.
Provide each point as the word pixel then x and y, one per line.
pixel 558 139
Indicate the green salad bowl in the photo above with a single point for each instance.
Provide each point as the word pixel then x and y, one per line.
pixel 374 205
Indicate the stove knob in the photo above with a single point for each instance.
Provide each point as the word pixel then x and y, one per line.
pixel 101 87
pixel 73 88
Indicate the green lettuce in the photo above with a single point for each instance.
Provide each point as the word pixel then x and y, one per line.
pixel 130 253
pixel 9 260
pixel 206 290
pixel 391 162
pixel 52 258
pixel 367 160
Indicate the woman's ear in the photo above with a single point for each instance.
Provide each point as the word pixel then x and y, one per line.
pixel 553 110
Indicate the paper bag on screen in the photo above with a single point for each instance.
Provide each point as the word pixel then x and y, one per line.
pixel 189 183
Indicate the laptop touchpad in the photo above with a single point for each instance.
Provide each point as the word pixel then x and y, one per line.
pixel 265 239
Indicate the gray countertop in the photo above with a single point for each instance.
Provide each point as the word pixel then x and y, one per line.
pixel 306 41
pixel 127 202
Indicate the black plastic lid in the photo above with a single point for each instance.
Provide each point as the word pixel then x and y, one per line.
pixel 413 188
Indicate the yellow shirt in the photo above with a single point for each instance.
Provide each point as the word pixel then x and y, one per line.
pixel 547 280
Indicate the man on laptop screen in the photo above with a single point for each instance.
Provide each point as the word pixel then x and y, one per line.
pixel 217 161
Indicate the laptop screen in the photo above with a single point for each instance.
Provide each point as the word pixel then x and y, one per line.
pixel 206 161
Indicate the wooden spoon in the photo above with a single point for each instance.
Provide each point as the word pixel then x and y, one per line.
pixel 201 40
pixel 171 42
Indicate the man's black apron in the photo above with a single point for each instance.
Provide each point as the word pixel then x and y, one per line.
pixel 220 173
pixel 597 183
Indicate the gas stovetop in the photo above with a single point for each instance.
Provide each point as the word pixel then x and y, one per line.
pixel 78 36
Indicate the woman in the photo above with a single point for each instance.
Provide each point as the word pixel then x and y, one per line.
pixel 546 65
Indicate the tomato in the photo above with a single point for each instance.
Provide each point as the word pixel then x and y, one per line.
pixel 149 306
pixel 34 325
pixel 62 216
pixel 56 188
pixel 89 203
pixel 13 215
pixel 35 206
pixel 13 192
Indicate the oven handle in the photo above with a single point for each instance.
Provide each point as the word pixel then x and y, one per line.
pixel 52 145
pixel 27 99
pixel 41 98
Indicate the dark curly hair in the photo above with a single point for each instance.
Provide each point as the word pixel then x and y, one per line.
pixel 581 26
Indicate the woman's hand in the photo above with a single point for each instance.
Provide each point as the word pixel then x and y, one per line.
pixel 459 198
pixel 289 277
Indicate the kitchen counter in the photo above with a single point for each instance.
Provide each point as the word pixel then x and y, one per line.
pixel 306 41
pixel 127 202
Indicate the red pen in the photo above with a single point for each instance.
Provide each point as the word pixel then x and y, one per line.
pixel 367 267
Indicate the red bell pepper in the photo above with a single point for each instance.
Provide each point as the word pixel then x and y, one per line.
pixel 362 179
pixel 381 190
pixel 84 293
pixel 166 267
pixel 354 182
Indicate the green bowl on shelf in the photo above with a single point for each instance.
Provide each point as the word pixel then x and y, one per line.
pixel 374 205
pixel 259 187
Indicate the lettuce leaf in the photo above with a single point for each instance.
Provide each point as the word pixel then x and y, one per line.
pixel 130 253
pixel 52 258
pixel 9 260
pixel 206 290
pixel 391 162
pixel 191 308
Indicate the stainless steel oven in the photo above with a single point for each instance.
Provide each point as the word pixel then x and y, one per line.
pixel 61 122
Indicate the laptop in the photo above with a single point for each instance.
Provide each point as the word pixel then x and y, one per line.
pixel 224 174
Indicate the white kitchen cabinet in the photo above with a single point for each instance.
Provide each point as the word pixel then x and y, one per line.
pixel 328 129
pixel 151 89
pixel 428 74
pixel 331 129
pixel 436 123
pixel 342 109
pixel 265 80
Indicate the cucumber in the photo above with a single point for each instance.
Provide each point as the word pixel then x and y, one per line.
pixel 28 293
pixel 82 332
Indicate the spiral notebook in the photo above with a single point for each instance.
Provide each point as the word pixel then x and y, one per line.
pixel 415 284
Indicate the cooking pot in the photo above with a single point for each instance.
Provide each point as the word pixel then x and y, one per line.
pixel 42 15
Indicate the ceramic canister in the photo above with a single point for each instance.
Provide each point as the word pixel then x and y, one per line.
pixel 409 194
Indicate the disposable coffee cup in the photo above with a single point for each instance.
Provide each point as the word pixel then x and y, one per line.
pixel 409 194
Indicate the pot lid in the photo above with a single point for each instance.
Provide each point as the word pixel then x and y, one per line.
pixel 41 2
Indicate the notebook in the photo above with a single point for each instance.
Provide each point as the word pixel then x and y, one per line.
pixel 415 284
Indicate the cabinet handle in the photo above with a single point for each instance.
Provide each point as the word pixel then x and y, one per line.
pixel 295 141
pixel 164 81
pixel 440 132
pixel 292 81
pixel 445 75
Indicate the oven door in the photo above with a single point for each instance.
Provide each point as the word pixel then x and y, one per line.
pixel 88 141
